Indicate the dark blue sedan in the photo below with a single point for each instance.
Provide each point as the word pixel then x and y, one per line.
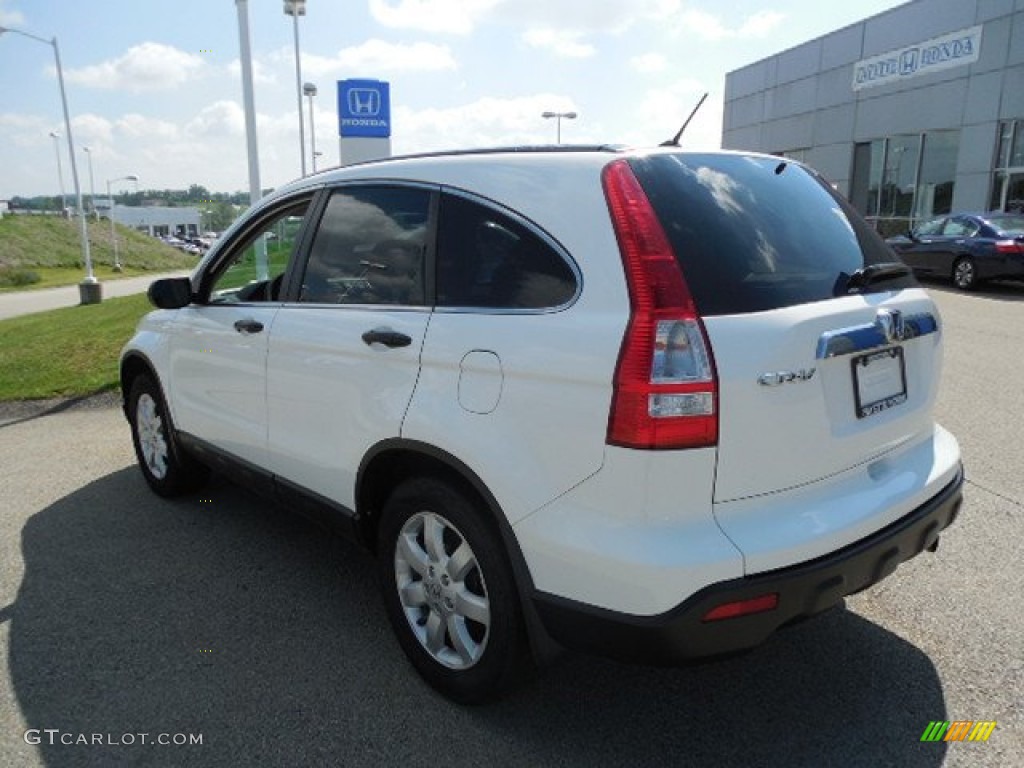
pixel 966 247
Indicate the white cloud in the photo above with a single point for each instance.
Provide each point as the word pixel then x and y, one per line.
pixel 460 17
pixel 222 118
pixel 710 27
pixel 649 63
pixel 662 111
pixel 144 67
pixel 261 75
pixel 26 130
pixel 563 43
pixel 378 56
pixel 455 17
pixel 10 18
pixel 134 125
pixel 585 16
pixel 482 123
pixel 91 129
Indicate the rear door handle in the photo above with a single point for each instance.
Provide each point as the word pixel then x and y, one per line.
pixel 387 338
pixel 248 326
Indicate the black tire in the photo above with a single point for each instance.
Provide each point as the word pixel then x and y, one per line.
pixel 169 470
pixel 470 661
pixel 965 274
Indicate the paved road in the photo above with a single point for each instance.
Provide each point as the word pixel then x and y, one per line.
pixel 121 613
pixel 28 302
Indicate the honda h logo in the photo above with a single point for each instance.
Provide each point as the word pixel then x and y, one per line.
pixel 890 322
pixel 364 102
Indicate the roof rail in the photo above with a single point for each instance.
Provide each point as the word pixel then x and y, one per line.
pixel 520 149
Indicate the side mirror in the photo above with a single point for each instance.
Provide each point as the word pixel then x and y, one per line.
pixel 170 293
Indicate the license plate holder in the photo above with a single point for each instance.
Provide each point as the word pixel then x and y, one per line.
pixel 879 381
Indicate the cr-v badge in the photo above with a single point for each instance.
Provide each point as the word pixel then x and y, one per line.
pixel 778 378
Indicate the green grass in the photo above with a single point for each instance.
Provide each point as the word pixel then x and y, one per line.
pixel 66 352
pixel 50 247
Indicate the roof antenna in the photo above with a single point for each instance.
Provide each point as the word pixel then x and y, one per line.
pixel 674 141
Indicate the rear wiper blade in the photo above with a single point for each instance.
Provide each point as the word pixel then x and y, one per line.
pixel 874 273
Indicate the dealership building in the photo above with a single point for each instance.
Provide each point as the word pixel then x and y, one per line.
pixel 912 113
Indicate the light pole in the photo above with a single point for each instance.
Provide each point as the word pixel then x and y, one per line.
pixel 296 8
pixel 245 57
pixel 89 289
pixel 113 233
pixel 558 121
pixel 92 181
pixel 310 90
pixel 60 173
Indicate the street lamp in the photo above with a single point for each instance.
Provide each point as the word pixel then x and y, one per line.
pixel 92 181
pixel 113 233
pixel 310 90
pixel 558 121
pixel 245 57
pixel 296 8
pixel 60 173
pixel 89 289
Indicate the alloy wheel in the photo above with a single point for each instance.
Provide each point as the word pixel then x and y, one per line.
pixel 152 439
pixel 442 590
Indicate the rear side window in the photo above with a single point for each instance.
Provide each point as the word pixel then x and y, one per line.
pixel 487 259
pixel 757 233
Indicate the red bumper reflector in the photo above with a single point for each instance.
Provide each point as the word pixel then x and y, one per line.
pixel 743 607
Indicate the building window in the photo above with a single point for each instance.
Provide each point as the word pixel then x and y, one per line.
pixel 868 164
pixel 901 179
pixel 1008 180
pixel 898 184
pixel 938 172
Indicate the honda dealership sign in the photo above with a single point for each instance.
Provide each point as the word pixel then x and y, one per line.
pixel 364 108
pixel 953 50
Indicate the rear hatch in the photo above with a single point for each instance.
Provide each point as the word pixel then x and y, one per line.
pixel 826 352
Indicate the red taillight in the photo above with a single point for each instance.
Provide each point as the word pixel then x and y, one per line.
pixel 665 388
pixel 1009 246
pixel 760 604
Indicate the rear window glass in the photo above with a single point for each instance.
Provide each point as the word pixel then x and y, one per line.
pixel 758 233
pixel 1008 226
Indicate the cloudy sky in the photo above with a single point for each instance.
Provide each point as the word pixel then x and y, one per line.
pixel 155 90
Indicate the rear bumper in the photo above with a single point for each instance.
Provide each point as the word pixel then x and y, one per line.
pixel 680 634
pixel 1006 267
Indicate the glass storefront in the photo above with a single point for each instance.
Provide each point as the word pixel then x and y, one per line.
pixel 1008 180
pixel 901 179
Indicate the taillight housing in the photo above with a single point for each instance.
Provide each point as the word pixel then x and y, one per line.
pixel 1009 246
pixel 665 388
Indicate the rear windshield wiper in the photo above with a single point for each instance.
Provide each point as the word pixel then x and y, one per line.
pixel 873 273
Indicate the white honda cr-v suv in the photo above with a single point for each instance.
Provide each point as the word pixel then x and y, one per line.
pixel 652 404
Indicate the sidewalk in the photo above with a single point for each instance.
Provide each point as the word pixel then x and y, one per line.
pixel 19 303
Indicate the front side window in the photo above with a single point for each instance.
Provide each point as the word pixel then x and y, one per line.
pixel 932 227
pixel 370 248
pixel 960 227
pixel 256 265
pixel 486 259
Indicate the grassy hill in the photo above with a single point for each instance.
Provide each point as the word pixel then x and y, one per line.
pixel 49 247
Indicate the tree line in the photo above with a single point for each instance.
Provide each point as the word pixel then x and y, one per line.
pixel 218 209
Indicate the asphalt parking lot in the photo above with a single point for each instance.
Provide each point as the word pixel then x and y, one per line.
pixel 223 617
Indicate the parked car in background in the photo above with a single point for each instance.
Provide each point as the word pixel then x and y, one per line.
pixel 966 247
